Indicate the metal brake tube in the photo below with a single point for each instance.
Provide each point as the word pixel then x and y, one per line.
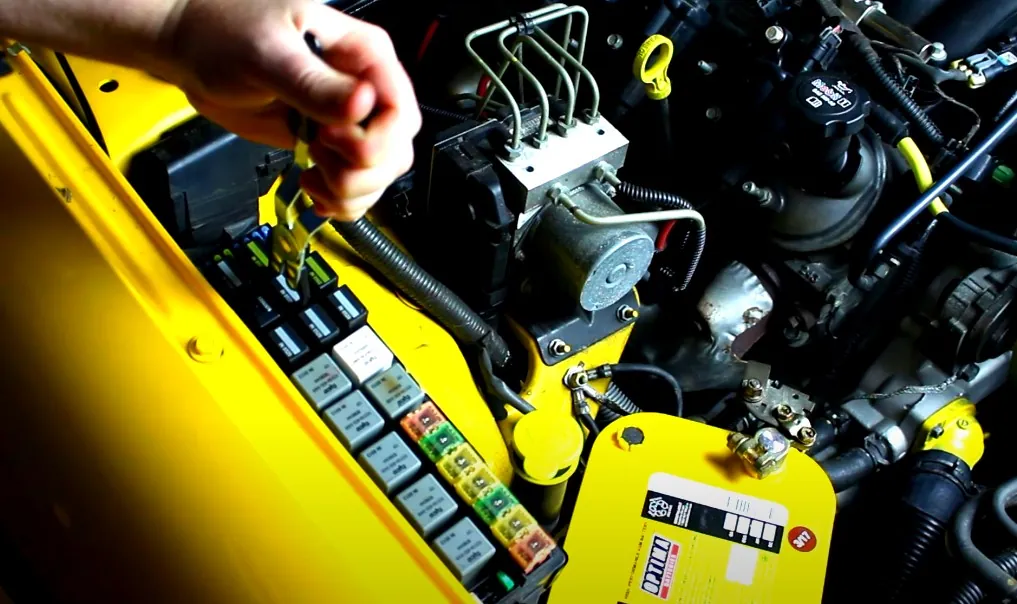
pixel 496 81
pixel 545 106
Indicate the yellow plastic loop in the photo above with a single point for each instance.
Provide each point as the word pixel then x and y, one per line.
pixel 923 175
pixel 658 85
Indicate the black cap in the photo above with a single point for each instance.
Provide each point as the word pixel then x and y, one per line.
pixel 828 106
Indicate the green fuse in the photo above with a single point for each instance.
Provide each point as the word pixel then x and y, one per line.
pixel 442 439
pixel 258 256
pixel 492 505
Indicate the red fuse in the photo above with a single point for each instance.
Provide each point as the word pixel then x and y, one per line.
pixel 422 420
pixel 531 549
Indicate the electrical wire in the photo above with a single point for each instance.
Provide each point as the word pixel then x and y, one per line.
pixel 1000 132
pixel 425 44
pixel 923 174
pixel 497 387
pixel 610 370
pixel 933 389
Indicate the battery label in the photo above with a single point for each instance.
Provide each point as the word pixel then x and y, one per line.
pixel 722 546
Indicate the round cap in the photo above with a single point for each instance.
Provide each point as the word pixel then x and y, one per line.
pixel 547 445
pixel 828 106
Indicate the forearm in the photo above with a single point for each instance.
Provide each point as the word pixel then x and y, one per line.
pixel 126 31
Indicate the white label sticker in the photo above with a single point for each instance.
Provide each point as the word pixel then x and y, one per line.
pixel 741 564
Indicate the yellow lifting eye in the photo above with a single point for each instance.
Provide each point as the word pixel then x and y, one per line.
pixel 658 85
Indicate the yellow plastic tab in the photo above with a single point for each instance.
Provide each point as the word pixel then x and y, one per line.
pixel 547 444
pixel 658 85
pixel 955 430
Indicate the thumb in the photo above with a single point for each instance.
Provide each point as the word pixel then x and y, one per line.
pixel 306 82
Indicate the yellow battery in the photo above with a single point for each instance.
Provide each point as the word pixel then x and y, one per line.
pixel 676 518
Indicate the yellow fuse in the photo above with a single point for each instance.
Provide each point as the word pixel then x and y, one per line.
pixel 460 461
pixel 471 487
pixel 512 524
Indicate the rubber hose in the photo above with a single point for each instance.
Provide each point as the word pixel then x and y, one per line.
pixel 1006 497
pixel 989 573
pixel 438 112
pixel 826 435
pixel 925 535
pixel 670 201
pixel 419 286
pixel 919 119
pixel 972 593
pixel 849 468
pixel 653 370
pixel 606 415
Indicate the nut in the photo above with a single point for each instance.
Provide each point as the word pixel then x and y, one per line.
pixel 807 436
pixel 714 114
pixel 784 413
pixel 558 347
pixel 775 34
pixel 511 153
pixel 936 432
pixel 752 390
pixel 706 67
pixel 626 313
pixel 615 41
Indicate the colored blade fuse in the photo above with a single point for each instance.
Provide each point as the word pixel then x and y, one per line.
pixel 531 548
pixel 422 420
pixel 512 524
pixel 472 487
pixel 461 461
pixel 442 439
pixel 494 503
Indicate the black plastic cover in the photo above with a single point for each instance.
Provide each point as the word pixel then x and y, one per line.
pixel 201 180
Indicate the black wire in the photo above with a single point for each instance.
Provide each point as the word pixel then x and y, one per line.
pixel 497 387
pixel 659 373
pixel 978 235
pixel 1000 132
pixel 88 117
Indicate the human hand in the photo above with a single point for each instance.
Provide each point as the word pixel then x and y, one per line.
pixel 244 64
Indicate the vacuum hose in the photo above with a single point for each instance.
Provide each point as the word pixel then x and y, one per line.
pixel 670 201
pixel 427 292
pixel 849 468
pixel 971 593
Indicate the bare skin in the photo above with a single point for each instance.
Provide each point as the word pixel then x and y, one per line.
pixel 244 63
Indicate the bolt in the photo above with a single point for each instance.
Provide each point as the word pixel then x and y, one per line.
pixel 807 436
pixel 784 413
pixel 736 440
pixel 752 390
pixel 882 271
pixel 615 41
pixel 626 313
pixel 763 195
pixel 775 34
pixel 633 436
pixel 713 114
pixel 706 67
pixel 936 432
pixel 205 348
pixel 938 52
pixel 558 347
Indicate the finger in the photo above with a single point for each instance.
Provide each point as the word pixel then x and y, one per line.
pixel 365 148
pixel 266 124
pixel 347 182
pixel 326 203
pixel 288 67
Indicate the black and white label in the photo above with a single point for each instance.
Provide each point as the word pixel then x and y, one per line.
pixel 658 572
pixel 716 512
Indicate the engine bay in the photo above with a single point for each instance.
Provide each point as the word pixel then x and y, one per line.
pixel 787 220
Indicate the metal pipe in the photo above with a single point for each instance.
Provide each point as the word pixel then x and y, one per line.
pixel 562 198
pixel 517 117
pixel 594 88
pixel 995 137
pixel 896 32
pixel 566 42
pixel 496 81
pixel 545 107
pixel 563 75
